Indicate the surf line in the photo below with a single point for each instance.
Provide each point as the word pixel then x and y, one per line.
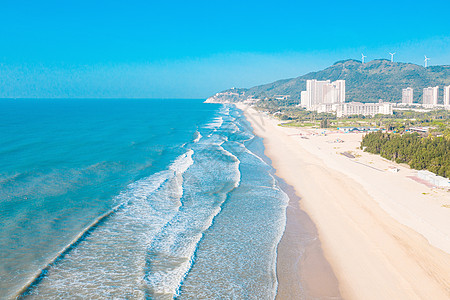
pixel 27 289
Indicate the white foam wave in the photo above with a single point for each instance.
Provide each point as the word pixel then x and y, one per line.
pixel 215 123
pixel 183 162
pixel 198 136
pixel 173 250
pixel 147 249
pixel 110 255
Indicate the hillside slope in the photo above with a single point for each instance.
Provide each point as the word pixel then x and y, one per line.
pixel 369 82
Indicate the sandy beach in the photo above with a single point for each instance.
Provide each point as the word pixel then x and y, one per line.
pixel 385 235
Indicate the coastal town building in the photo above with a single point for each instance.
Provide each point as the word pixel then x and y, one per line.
pixel 423 129
pixel 334 92
pixel 314 93
pixel 434 179
pixel 282 97
pixel 251 100
pixel 322 92
pixel 303 98
pixel 329 97
pixel 356 108
pixel 447 96
pixel 365 109
pixel 407 95
pixel 430 96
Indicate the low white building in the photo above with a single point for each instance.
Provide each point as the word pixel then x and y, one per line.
pixel 423 129
pixel 326 108
pixel 282 97
pixel 434 179
pixel 365 109
pixel 356 108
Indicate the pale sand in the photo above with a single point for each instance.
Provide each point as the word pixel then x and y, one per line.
pixel 375 226
pixel 304 271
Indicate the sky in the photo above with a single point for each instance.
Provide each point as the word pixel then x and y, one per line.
pixel 193 49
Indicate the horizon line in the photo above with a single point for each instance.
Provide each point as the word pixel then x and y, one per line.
pixel 97 98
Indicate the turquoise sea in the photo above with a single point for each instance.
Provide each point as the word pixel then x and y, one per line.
pixel 135 199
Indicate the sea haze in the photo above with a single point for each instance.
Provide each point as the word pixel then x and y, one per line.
pixel 135 198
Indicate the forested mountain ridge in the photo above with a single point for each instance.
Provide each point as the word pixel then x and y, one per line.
pixel 369 82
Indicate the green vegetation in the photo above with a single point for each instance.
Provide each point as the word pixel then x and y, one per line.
pixel 369 82
pixel 324 123
pixel 431 153
pixel 287 110
pixel 438 121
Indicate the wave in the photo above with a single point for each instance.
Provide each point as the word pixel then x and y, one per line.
pixel 172 252
pixel 210 224
pixel 198 136
pixel 6 178
pixel 136 192
pixel 27 289
pixel 215 123
pixel 183 162
pixel 164 225
pixel 234 247
pixel 54 182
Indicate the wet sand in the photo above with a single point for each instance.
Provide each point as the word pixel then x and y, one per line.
pixel 302 270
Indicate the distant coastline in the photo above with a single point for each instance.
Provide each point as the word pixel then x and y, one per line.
pixel 368 82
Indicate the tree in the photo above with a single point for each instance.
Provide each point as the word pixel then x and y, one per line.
pixel 324 123
pixel 431 153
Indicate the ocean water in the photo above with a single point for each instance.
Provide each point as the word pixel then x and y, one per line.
pixel 135 199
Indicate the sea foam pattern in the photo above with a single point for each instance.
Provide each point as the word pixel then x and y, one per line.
pixel 207 227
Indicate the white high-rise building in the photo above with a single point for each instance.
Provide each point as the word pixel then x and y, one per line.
pixel 304 98
pixel 340 85
pixel 334 92
pixel 323 92
pixel 329 93
pixel 315 89
pixel 407 96
pixel 430 96
pixel 447 96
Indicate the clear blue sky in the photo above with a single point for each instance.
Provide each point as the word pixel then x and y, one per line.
pixel 192 49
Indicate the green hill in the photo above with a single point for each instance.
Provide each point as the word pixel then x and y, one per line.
pixel 369 82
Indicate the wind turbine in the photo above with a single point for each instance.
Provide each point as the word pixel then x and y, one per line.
pixel 363 56
pixel 426 61
pixel 392 56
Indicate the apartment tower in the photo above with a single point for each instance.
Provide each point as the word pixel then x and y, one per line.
pixel 407 96
pixel 447 96
pixel 430 96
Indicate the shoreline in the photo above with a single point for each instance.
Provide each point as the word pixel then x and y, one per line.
pixel 375 227
pixel 302 269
